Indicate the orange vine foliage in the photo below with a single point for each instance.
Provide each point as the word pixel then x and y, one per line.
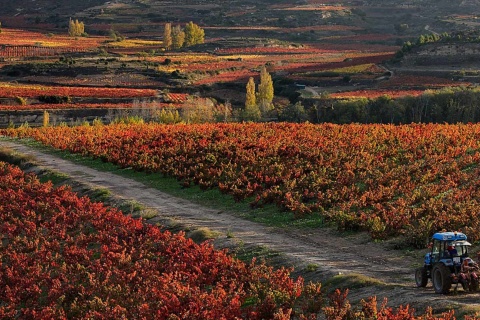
pixel 390 180
pixel 65 257
pixel 8 90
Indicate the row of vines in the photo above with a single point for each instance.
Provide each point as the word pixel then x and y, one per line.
pixel 65 257
pixel 389 180
pixel 34 51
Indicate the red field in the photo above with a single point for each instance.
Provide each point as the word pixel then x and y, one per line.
pixel 8 90
pixel 66 106
pixel 23 42
pixel 389 180
pixel 372 94
pixel 66 257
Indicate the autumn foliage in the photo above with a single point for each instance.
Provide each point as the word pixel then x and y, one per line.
pixel 8 90
pixel 390 180
pixel 65 257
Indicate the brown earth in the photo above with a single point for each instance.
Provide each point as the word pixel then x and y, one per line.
pixel 391 272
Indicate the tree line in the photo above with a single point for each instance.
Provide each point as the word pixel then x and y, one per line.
pixel 258 104
pixel 461 36
pixel 76 28
pixel 177 37
pixel 448 105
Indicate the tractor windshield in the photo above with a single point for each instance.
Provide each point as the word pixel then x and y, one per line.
pixel 462 247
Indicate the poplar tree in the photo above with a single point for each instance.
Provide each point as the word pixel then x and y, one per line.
pixel 252 112
pixel 76 28
pixel 265 91
pixel 178 37
pixel 167 36
pixel 193 34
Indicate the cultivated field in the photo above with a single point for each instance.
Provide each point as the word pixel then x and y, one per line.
pixel 370 138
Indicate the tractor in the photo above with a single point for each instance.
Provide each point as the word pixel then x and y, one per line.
pixel 443 264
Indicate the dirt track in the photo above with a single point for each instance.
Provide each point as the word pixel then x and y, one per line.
pixel 333 254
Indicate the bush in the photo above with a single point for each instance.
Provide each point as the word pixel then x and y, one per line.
pixel 21 101
pixel 54 99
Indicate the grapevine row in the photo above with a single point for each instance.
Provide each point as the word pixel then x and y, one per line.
pixel 389 180
pixel 65 257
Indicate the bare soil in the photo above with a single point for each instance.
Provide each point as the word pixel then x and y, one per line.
pixel 390 272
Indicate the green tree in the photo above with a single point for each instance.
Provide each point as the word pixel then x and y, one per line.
pixel 178 37
pixel 167 36
pixel 265 91
pixel 421 40
pixel 115 35
pixel 294 113
pixel 252 112
pixel 193 34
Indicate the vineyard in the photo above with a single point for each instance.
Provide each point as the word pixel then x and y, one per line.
pixel 18 43
pixel 371 132
pixel 89 68
pixel 33 51
pixel 65 257
pixel 389 180
pixel 9 90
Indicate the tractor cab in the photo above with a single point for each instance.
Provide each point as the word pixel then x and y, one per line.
pixel 448 247
pixel 442 264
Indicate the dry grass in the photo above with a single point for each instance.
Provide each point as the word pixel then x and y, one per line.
pixel 202 234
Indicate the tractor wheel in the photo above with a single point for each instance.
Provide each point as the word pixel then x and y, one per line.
pixel 421 278
pixel 474 284
pixel 441 278
pixel 465 285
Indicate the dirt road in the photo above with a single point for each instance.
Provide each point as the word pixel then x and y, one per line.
pixel 324 248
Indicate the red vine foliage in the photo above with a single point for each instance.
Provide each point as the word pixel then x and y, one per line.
pixel 390 180
pixel 65 257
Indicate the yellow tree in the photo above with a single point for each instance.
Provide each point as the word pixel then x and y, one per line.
pixel 167 36
pixel 71 28
pixel 193 34
pixel 76 28
pixel 265 91
pixel 178 37
pixel 252 112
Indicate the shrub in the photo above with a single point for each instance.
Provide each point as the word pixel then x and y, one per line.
pixel 54 99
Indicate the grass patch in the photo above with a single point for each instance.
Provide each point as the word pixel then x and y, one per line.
pixel 261 253
pixel 13 157
pixel 460 313
pixel 57 178
pixel 131 207
pixel 352 281
pixel 100 194
pixel 311 267
pixel 148 214
pixel 202 234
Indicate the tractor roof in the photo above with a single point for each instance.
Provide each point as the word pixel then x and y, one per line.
pixel 449 236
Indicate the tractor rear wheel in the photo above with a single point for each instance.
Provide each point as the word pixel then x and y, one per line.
pixel 421 278
pixel 442 282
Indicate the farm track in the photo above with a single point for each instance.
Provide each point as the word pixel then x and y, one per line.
pixel 332 253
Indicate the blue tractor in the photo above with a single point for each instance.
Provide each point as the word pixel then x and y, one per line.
pixel 443 264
